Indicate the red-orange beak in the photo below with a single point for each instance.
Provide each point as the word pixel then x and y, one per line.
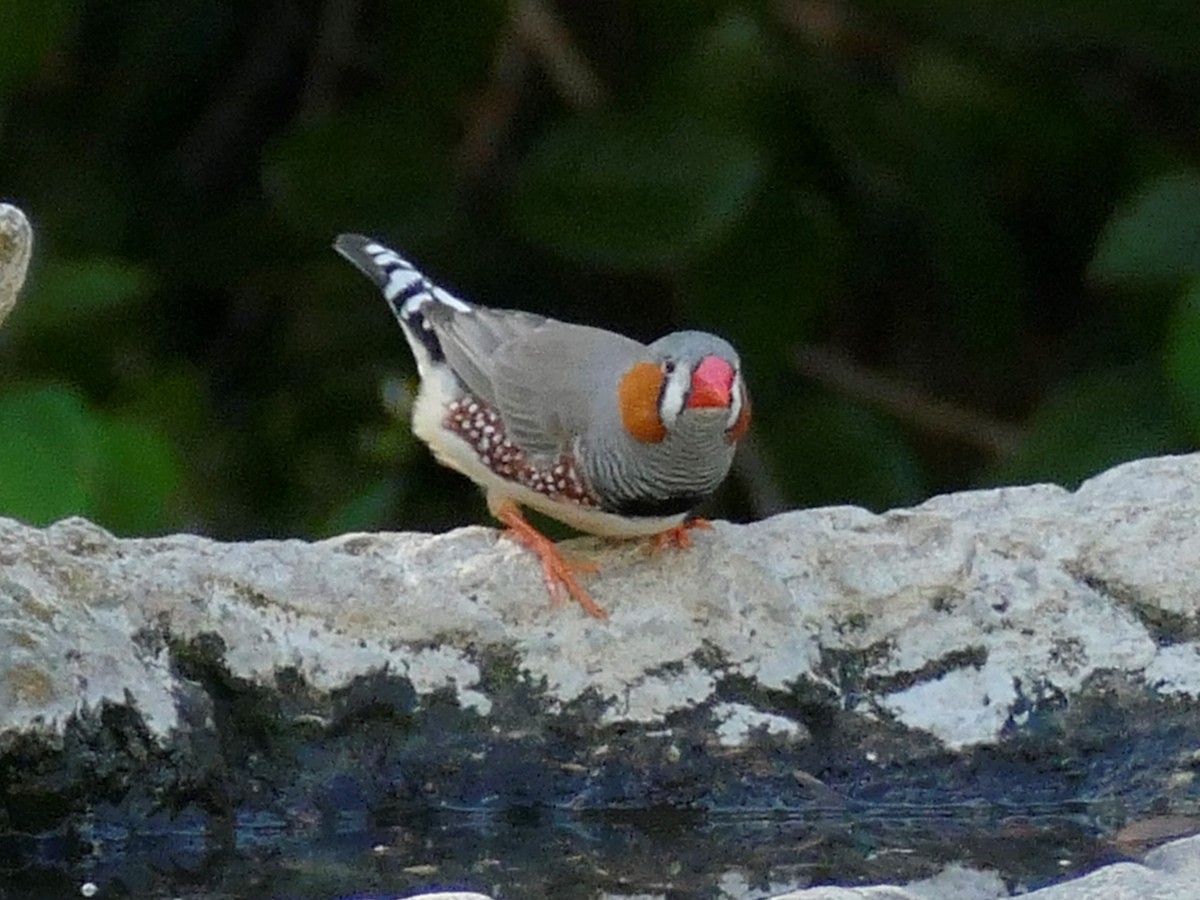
pixel 712 382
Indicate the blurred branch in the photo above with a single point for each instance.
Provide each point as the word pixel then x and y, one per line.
pixel 534 31
pixel 821 22
pixel 493 111
pixel 16 246
pixel 540 29
pixel 334 47
pixel 217 141
pixel 839 372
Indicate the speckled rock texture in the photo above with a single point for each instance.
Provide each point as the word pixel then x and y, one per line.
pixel 1026 650
pixel 16 246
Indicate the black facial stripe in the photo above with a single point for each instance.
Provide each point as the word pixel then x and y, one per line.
pixel 662 392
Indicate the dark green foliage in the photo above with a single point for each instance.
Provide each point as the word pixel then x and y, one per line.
pixel 404 184
pixel 47 454
pixel 1154 239
pixel 31 29
pixel 992 207
pixel 1093 421
pixel 59 458
pixel 639 193
pixel 1183 356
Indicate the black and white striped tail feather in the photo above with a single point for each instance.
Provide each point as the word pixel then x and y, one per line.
pixel 404 287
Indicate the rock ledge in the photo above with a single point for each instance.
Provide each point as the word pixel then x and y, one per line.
pixel 1025 647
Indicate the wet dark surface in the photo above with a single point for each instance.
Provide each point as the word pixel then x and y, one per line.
pixel 279 792
pixel 533 853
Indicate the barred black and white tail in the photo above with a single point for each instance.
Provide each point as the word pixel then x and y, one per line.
pixel 405 289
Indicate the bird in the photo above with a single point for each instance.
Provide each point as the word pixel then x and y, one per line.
pixel 606 434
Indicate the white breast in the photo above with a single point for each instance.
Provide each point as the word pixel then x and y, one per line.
pixel 438 389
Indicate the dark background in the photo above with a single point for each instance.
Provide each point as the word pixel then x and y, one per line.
pixel 956 242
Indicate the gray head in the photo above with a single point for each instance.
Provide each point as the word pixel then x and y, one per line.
pixel 682 408
pixel 701 383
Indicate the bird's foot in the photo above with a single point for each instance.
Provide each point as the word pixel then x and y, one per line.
pixel 557 571
pixel 678 536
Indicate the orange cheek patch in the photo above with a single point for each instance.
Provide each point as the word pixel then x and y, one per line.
pixel 637 396
pixel 743 420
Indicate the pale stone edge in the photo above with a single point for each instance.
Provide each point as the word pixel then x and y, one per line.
pixel 16 248
pixel 1169 870
pixel 925 549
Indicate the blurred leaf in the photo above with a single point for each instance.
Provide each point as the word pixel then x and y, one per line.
pixel 939 80
pixel 68 294
pixel 837 452
pixel 29 29
pixel 47 454
pixel 371 508
pixel 395 177
pixel 1154 239
pixel 723 73
pixel 635 192
pixel 171 399
pixel 1183 355
pixel 1090 423
pixel 922 174
pixel 136 477
pixel 58 458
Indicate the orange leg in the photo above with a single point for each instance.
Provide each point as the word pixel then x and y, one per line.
pixel 677 536
pixel 557 572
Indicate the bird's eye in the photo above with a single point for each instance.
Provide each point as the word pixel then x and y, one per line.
pixel 669 366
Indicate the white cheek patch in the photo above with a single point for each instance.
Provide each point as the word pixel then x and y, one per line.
pixel 673 396
pixel 736 390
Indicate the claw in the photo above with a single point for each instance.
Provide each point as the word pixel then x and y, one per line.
pixel 557 571
pixel 678 536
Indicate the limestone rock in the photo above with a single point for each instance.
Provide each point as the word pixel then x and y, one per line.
pixel 16 246
pixel 1022 647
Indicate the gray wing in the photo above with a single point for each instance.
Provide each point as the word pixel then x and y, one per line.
pixel 553 383
pixel 545 378
pixel 470 340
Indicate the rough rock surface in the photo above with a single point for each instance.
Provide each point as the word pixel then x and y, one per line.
pixel 16 245
pixel 1019 651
